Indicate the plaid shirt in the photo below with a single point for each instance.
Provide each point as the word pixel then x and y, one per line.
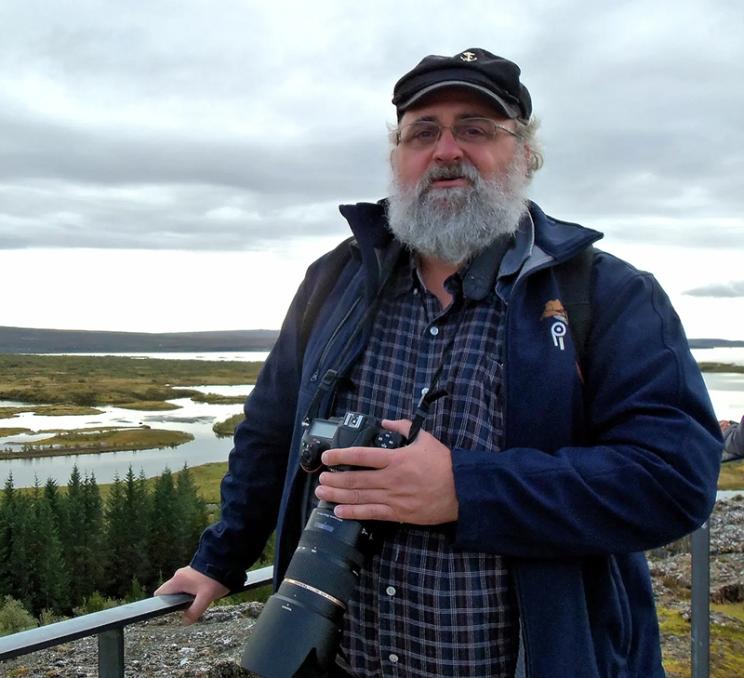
pixel 422 608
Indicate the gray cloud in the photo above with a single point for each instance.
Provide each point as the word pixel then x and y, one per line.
pixel 725 290
pixel 240 126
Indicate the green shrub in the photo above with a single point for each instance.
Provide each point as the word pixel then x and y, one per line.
pixel 14 617
pixel 95 603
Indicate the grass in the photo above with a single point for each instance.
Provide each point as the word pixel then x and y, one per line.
pixel 726 646
pixel 98 440
pixel 148 405
pixel 216 399
pixel 721 367
pixel 226 428
pixel 111 380
pixel 732 476
pixel 49 411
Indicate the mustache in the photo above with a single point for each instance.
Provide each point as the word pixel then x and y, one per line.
pixel 452 171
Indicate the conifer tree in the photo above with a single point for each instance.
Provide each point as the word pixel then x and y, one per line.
pixel 5 535
pixel 74 540
pixel 17 511
pixel 117 548
pixel 192 512
pixel 48 576
pixel 163 542
pixel 125 544
pixel 94 531
pixel 56 505
pixel 82 538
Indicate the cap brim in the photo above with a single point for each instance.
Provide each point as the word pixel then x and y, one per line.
pixel 509 110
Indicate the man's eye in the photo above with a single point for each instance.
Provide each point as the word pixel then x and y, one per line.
pixel 472 131
pixel 423 133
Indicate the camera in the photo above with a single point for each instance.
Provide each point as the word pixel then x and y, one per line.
pixel 299 629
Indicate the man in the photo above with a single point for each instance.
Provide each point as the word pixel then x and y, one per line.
pixel 733 439
pixel 519 513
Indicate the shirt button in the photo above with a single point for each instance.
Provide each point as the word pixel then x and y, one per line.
pixel 424 390
pixel 393 658
pixel 433 331
pixel 390 590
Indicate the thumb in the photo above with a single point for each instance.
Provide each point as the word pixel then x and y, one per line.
pixel 196 609
pixel 402 426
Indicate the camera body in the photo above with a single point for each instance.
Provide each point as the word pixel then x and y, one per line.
pixel 310 603
pixel 351 430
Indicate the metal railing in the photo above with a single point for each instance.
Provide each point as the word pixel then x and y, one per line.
pixel 109 626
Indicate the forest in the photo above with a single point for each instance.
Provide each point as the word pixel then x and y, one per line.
pixel 66 550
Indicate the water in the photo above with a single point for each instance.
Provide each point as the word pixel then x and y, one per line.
pixel 733 355
pixel 726 391
pixel 221 356
pixel 194 418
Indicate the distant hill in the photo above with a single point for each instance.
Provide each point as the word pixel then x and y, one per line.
pixel 29 340
pixel 714 343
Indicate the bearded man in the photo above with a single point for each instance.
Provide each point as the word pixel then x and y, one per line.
pixel 516 517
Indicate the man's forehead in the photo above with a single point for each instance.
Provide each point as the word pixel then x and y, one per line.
pixel 453 101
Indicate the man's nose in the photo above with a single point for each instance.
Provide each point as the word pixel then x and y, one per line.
pixel 447 148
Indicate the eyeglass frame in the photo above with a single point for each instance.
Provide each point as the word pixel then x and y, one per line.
pixel 398 130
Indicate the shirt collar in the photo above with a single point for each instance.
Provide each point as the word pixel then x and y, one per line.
pixel 521 249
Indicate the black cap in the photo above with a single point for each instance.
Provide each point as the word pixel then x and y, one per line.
pixel 496 78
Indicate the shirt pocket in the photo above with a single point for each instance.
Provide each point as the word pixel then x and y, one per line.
pixel 472 412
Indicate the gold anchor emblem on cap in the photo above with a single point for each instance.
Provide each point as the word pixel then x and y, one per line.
pixel 468 56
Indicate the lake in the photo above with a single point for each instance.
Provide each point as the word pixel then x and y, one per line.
pixel 194 418
pixel 726 391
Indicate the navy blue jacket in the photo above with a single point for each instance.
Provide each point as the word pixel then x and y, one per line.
pixel 591 474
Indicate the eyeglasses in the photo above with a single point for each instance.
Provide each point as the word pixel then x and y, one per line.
pixel 426 133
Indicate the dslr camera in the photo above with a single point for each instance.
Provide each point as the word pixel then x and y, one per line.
pixel 299 629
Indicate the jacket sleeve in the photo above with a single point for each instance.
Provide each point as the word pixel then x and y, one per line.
pixel 648 475
pixel 252 487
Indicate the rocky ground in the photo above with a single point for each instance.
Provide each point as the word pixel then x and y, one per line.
pixel 210 649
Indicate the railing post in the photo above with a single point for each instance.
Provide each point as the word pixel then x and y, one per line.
pixel 111 653
pixel 700 603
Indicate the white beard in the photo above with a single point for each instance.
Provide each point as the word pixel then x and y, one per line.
pixel 454 224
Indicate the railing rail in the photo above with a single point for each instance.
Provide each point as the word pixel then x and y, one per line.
pixel 109 626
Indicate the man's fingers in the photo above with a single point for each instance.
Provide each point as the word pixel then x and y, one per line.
pixel 197 608
pixel 371 457
pixel 203 588
pixel 350 496
pixel 351 480
pixel 365 512
pixel 402 426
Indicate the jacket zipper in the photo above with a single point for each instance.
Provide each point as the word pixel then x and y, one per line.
pixel 327 347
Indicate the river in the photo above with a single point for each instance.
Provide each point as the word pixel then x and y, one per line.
pixel 726 391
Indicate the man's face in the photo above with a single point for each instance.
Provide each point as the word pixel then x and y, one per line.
pixel 447 106
pixel 451 199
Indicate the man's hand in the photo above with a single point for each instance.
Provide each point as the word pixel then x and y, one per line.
pixel 412 484
pixel 205 589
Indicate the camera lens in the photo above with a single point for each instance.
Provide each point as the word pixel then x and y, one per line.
pixel 311 600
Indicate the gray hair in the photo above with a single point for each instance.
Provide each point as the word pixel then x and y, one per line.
pixel 528 136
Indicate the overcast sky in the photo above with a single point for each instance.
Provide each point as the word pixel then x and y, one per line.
pixel 176 165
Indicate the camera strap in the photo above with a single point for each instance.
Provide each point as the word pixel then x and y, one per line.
pixel 333 376
pixel 431 393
